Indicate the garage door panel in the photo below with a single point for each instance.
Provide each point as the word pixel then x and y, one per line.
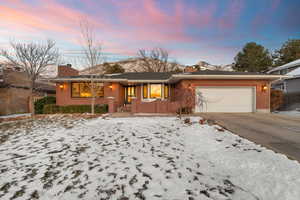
pixel 225 99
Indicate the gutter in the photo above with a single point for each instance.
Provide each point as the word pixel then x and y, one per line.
pixel 229 76
pixel 86 79
pixel 175 77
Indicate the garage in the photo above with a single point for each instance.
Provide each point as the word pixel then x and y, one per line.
pixel 225 99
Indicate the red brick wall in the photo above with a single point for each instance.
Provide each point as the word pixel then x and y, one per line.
pixel 63 96
pixel 166 106
pixel 262 98
pixel 66 70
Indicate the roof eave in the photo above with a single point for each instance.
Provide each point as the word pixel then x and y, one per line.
pixel 264 77
pixel 58 80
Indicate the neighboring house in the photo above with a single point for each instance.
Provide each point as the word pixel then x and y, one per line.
pixel 290 85
pixel 156 92
pixel 284 69
pixel 14 91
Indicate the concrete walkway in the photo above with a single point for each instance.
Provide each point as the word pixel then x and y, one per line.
pixel 277 132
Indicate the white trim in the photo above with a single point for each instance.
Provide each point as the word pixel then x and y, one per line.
pixel 86 80
pixel 179 76
pixel 190 76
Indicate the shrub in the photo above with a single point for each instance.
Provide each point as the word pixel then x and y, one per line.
pixel 39 104
pixel 276 99
pixel 51 109
pixel 185 110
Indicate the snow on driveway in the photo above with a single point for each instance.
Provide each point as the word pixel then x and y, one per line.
pixel 138 158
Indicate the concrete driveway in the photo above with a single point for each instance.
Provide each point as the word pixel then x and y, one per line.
pixel 277 132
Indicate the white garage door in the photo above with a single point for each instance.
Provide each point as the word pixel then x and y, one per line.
pixel 225 99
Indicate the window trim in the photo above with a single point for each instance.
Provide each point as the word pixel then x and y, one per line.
pixel 71 88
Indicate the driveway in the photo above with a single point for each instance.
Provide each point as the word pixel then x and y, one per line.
pixel 277 132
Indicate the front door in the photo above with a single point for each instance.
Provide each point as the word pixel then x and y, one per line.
pixel 129 93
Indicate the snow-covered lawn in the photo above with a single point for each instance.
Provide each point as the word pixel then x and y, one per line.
pixel 138 158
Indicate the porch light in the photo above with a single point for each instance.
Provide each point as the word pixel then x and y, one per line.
pixel 110 86
pixel 264 88
pixel 61 86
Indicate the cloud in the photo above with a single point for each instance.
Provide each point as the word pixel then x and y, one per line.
pixel 232 15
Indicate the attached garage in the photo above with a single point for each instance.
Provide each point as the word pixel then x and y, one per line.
pixel 225 99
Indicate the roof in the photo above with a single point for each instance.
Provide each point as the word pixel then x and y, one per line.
pixel 217 72
pixel 286 66
pixel 143 75
pixel 169 76
pixel 295 72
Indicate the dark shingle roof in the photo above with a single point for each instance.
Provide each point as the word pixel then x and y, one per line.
pixel 143 75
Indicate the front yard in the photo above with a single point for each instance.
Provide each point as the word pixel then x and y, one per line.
pixel 61 157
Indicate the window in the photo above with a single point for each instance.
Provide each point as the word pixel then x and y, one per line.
pixel 84 90
pixel 145 91
pixel 166 91
pixel 155 91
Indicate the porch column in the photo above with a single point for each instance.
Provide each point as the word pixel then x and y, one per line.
pixel 133 105
pixel 111 104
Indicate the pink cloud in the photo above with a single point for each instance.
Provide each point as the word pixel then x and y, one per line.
pixel 232 15
pixel 201 17
pixel 147 21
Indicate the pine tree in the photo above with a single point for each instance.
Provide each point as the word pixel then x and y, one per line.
pixel 252 58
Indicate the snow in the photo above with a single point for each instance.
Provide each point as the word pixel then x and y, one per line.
pixel 15 115
pixel 295 72
pixel 293 113
pixel 138 158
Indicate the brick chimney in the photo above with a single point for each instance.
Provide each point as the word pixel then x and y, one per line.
pixel 190 69
pixel 66 70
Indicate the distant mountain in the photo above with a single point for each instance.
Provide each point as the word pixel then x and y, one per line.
pixel 134 65
pixel 202 65
pixel 130 65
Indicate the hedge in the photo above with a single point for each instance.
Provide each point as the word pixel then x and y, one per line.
pixel 52 108
pixel 39 104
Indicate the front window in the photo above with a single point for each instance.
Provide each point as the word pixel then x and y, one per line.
pixel 84 90
pixel 155 91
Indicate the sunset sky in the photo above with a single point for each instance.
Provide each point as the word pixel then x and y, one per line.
pixel 191 30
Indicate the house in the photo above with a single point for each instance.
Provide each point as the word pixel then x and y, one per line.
pixel 286 68
pixel 158 92
pixel 289 85
pixel 14 91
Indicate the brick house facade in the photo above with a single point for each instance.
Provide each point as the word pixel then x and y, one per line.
pixel 157 92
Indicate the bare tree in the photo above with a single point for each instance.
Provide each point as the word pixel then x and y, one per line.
pixel 156 60
pixel 34 59
pixel 188 98
pixel 92 49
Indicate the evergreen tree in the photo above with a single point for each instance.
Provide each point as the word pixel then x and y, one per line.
pixel 288 52
pixel 253 58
